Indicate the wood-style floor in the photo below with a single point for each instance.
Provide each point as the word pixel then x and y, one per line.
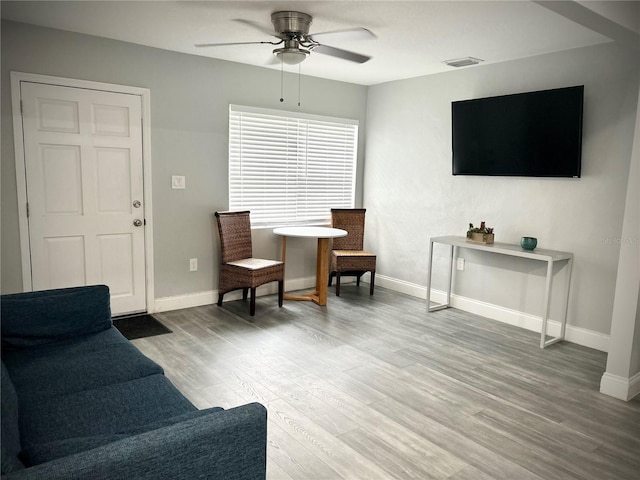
pixel 377 388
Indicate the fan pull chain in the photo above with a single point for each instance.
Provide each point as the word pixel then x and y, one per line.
pixel 299 81
pixel 281 80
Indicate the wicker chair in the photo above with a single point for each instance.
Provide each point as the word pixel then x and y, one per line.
pixel 347 255
pixel 238 268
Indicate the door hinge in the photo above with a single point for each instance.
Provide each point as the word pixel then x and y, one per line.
pixel 27 209
pixel 21 108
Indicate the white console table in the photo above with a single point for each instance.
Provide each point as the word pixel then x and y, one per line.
pixel 549 256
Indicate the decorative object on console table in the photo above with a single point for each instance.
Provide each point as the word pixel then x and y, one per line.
pixel 480 235
pixel 529 243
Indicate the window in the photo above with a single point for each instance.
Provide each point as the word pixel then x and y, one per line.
pixel 290 168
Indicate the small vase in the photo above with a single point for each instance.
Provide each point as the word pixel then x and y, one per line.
pixel 528 243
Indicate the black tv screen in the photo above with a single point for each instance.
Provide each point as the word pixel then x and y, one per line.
pixel 534 134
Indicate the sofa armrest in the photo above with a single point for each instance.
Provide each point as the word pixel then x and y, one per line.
pixel 228 444
pixel 38 318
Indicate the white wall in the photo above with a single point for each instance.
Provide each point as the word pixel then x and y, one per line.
pixel 622 378
pixel 408 188
pixel 411 195
pixel 190 97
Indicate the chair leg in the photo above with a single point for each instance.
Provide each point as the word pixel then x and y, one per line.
pixel 331 275
pixel 220 295
pixel 373 281
pixel 280 292
pixel 252 305
pixel 244 293
pixel 358 279
pixel 337 284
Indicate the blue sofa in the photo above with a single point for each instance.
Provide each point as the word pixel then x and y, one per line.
pixel 79 401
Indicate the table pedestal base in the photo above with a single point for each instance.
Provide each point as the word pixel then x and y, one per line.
pixel 312 296
pixel 319 295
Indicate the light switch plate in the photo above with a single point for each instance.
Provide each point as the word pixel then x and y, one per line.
pixel 178 182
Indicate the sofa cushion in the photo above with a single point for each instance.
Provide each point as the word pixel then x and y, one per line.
pixel 45 452
pixel 165 422
pixel 37 318
pixel 85 363
pixel 108 410
pixel 10 431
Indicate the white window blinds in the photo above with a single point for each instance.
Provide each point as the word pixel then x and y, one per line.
pixel 290 168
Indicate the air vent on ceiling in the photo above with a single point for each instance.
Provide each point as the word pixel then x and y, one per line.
pixel 463 62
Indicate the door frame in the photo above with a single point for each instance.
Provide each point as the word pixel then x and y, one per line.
pixel 21 179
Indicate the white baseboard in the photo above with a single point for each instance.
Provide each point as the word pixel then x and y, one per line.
pixel 166 304
pixel 620 387
pixel 400 286
pixel 634 386
pixel 578 335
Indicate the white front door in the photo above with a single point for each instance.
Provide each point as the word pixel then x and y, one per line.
pixel 84 175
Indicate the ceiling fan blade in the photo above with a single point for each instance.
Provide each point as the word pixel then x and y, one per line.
pixel 339 53
pixel 268 31
pixel 358 33
pixel 233 43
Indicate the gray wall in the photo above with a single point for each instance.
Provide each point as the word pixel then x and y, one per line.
pixel 190 96
pixel 407 185
pixel 411 195
pixel 635 354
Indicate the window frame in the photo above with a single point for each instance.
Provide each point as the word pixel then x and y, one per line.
pixel 316 157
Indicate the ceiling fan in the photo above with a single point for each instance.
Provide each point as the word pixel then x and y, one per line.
pixel 292 30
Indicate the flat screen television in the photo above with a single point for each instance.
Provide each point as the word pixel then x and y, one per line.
pixel 534 134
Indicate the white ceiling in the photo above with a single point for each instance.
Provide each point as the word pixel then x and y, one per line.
pixel 413 37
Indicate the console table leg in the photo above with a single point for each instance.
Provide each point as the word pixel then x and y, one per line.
pixel 450 279
pixel 547 298
pixel 563 328
pixel 447 304
pixel 429 272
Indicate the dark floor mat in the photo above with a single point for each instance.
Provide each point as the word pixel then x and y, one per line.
pixel 139 326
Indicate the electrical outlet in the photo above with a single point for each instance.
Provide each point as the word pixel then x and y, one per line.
pixel 193 264
pixel 460 264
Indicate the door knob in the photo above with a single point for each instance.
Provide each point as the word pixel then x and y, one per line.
pixel 136 204
pixel 137 222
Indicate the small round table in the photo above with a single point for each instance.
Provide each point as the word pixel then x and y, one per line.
pixel 323 234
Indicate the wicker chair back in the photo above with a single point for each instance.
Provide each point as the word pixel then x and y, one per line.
pixel 351 220
pixel 235 235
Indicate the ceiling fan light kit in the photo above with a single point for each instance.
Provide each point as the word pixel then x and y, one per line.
pixel 291 53
pixel 291 56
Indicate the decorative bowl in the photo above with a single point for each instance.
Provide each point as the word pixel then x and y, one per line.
pixel 528 243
